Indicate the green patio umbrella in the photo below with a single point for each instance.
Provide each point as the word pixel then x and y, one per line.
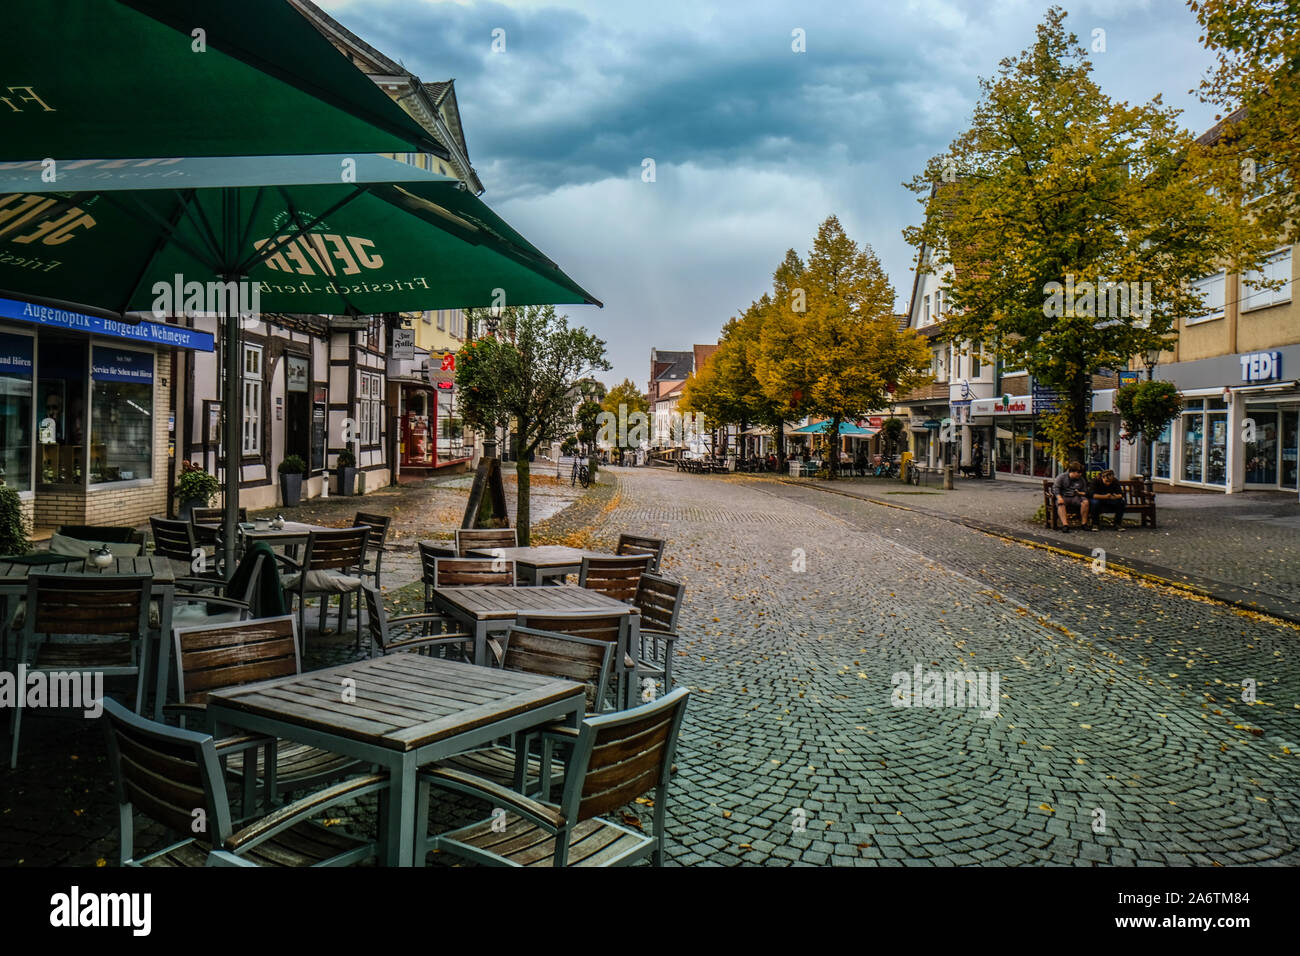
pixel 313 234
pixel 119 79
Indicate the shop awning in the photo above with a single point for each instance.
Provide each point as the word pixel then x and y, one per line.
pixel 850 429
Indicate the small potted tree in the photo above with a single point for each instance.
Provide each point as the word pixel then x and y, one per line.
pixel 291 472
pixel 347 471
pixel 13 529
pixel 194 489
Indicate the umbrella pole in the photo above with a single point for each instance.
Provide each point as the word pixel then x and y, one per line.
pixel 233 408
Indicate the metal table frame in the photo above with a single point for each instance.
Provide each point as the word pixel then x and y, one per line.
pixel 397 817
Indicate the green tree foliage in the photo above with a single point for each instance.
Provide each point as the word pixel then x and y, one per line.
pixel 1055 183
pixel 1146 408
pixel 623 401
pixel 1257 46
pixel 525 374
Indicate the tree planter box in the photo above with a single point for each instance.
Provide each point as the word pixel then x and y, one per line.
pixel 347 480
pixel 290 490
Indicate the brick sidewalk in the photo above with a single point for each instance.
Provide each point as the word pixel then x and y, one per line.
pixel 1252 558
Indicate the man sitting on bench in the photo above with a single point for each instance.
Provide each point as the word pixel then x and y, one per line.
pixel 1107 494
pixel 1072 496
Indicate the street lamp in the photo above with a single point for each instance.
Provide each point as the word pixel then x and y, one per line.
pixel 1152 359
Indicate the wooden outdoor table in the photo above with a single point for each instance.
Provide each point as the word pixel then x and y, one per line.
pixel 493 609
pixel 543 561
pixel 13 586
pixel 401 712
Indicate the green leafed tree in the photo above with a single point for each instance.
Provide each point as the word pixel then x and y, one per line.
pixel 1256 84
pixel 525 374
pixel 625 416
pixel 1073 224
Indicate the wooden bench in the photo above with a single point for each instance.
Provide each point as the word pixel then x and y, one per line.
pixel 1137 501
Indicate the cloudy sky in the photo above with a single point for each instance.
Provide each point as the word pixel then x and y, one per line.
pixel 753 144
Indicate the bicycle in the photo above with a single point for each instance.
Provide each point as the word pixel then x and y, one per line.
pixel 581 475
pixel 914 474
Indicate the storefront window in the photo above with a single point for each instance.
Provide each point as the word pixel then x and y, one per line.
pixel 1099 448
pixel 1216 450
pixel 921 445
pixel 1044 462
pixel 1024 448
pixel 16 411
pixel 1193 440
pixel 1161 451
pixel 1003 447
pixel 121 414
pixel 61 416
pixel 1290 427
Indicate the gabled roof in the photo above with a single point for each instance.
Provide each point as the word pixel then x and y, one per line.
pixel 702 353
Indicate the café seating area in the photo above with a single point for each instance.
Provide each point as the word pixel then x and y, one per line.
pixel 538 679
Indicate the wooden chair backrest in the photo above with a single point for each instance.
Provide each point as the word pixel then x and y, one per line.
pixel 635 544
pixel 595 626
pixel 622 756
pixel 173 539
pixel 88 604
pixel 167 774
pixel 473 572
pixel 470 538
pixel 660 601
pixel 212 656
pixel 108 533
pixel 214 515
pixel 378 525
pixel 336 550
pixel 615 577
pixel 553 654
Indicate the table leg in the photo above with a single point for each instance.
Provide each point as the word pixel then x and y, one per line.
pixel 400 829
pixel 167 594
pixel 480 642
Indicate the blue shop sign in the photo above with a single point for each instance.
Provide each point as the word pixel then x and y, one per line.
pixel 108 364
pixel 15 355
pixel 151 333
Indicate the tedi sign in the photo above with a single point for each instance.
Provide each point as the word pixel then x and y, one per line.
pixel 1261 366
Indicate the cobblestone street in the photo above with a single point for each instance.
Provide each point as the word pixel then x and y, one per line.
pixel 1121 736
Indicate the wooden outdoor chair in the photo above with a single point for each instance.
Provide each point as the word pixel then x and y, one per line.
pixel 615 759
pixel 468 539
pixel 635 544
pixel 174 777
pixel 175 541
pixel 616 577
pixel 113 610
pixel 202 520
pixel 660 602
pixel 550 654
pixel 331 564
pixel 378 525
pixel 611 629
pixel 473 572
pixel 215 656
pixel 393 634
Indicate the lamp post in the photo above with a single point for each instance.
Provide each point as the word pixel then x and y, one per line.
pixel 1151 358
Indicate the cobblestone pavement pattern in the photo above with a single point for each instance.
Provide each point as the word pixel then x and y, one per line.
pixel 1115 696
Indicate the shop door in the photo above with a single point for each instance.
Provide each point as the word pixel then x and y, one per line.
pixel 1262 453
pixel 297 409
pixel 297 425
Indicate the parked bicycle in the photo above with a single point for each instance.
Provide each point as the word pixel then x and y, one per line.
pixel 581 474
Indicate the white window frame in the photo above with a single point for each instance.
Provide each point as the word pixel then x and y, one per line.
pixel 442 320
pixel 1206 286
pixel 1278 266
pixel 370 391
pixel 251 381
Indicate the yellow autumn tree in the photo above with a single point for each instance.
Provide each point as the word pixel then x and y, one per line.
pixel 832 347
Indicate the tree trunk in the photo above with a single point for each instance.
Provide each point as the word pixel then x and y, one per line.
pixel 1080 410
pixel 780 446
pixel 522 520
